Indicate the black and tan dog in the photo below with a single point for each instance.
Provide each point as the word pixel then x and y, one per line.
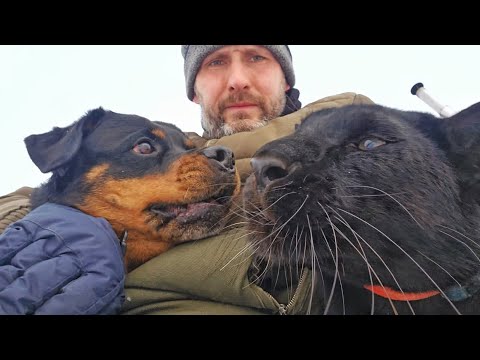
pixel 144 177
pixel 384 206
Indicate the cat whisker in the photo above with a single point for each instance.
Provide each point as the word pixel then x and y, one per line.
pixel 293 252
pixel 390 196
pixel 281 187
pixel 256 213
pixel 345 222
pixel 278 267
pixel 244 249
pixel 267 256
pixel 459 233
pixel 441 267
pixel 318 260
pixel 335 260
pixel 277 233
pixel 367 195
pixel 410 257
pixel 280 198
pixel 313 261
pixel 461 242
pixel 369 267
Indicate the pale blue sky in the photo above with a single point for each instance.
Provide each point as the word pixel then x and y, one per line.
pixel 45 86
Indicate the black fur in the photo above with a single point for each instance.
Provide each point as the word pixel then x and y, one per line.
pixel 383 197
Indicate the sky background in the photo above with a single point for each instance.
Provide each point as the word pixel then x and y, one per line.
pixel 45 86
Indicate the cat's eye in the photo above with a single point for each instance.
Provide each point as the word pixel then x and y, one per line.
pixel 370 144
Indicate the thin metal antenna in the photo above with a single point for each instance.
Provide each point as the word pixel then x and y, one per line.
pixel 443 110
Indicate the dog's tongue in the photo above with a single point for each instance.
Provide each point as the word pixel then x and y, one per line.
pixel 194 212
pixel 187 213
pixel 192 209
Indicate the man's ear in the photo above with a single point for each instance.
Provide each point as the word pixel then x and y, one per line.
pixel 52 150
pixel 462 135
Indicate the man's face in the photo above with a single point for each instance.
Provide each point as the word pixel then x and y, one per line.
pixel 239 88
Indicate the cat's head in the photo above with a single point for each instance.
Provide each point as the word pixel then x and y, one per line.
pixel 374 192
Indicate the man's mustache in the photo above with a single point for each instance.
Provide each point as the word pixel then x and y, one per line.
pixel 239 98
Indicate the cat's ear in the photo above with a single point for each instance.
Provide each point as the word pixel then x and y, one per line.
pixel 462 135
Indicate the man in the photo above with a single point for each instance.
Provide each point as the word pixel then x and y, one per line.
pixel 239 88
pixel 247 98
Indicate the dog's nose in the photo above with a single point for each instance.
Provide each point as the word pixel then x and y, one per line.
pixel 268 169
pixel 224 156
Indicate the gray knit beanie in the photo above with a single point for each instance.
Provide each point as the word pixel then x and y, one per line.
pixel 195 54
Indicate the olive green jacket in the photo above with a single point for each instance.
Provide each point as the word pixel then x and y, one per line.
pixel 14 206
pixel 211 276
pixel 207 277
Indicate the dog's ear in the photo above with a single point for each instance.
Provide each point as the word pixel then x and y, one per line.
pixel 52 150
pixel 462 134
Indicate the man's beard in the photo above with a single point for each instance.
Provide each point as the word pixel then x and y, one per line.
pixel 214 123
pixel 229 129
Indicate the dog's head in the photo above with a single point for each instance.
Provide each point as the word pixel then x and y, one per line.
pixel 145 177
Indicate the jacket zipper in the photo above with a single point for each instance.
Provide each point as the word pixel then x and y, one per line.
pixel 282 308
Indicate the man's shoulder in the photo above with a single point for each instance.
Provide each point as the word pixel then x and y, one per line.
pixel 14 206
pixel 24 192
pixel 346 98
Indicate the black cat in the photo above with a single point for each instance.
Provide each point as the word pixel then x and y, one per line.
pixel 382 204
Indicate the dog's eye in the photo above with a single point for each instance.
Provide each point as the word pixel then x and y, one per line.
pixel 369 144
pixel 143 148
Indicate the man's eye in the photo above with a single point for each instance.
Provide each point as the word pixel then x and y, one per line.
pixel 215 63
pixel 143 148
pixel 256 58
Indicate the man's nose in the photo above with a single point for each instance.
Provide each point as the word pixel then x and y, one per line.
pixel 239 77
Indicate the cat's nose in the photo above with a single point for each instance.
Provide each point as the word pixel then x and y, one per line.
pixel 268 169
